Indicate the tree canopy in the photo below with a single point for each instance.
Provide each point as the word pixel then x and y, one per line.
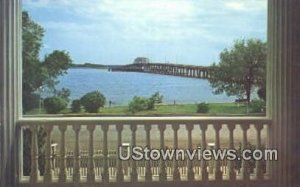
pixel 37 72
pixel 241 69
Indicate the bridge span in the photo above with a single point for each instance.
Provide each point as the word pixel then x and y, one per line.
pixel 164 69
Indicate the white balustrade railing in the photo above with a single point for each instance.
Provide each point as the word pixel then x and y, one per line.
pixel 92 165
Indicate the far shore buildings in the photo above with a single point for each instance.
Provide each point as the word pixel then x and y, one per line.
pixel 141 60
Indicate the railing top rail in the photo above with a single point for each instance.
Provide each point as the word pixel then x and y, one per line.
pixel 141 120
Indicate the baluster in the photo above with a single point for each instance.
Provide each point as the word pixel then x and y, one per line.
pixel 245 167
pixel 231 163
pixel 34 174
pixel 190 172
pixel 48 157
pixel 62 166
pixel 148 172
pixel 90 164
pixel 176 174
pixel 105 174
pixel 204 172
pixel 120 174
pixel 259 169
pixel 134 175
pixel 76 166
pixel 218 172
pixel 162 166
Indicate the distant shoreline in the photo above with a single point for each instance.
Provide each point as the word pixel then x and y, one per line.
pixel 90 65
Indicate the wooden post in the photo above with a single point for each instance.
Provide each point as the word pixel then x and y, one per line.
pixel 162 164
pixel 231 164
pixel 120 174
pixel 76 165
pixel 90 166
pixel 176 174
pixel 190 172
pixel 34 174
pixel 105 174
pixel 204 172
pixel 148 172
pixel 48 157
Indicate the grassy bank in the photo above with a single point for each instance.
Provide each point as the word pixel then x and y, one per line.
pixel 165 109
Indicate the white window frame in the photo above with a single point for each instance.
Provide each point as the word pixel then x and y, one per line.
pixel 282 88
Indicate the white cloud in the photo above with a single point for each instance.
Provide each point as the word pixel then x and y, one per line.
pixel 184 22
pixel 246 5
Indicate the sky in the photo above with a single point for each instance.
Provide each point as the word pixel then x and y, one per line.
pixel 176 31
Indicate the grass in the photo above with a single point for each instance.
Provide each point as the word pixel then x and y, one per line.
pixel 224 109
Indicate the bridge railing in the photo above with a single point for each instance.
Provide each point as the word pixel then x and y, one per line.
pixel 166 69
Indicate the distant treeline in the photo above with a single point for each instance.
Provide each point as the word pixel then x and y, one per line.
pixel 89 65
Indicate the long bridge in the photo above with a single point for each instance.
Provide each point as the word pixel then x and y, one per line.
pixel 164 69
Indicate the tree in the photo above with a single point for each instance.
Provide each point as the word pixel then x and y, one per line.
pixel 92 101
pixel 32 35
pixel 241 68
pixel 39 73
pixel 76 106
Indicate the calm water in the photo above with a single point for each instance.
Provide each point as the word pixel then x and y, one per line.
pixel 121 87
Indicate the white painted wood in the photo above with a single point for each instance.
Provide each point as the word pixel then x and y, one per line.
pixel 231 164
pixel 245 164
pixel 90 167
pixel 176 174
pixel 48 157
pixel 141 120
pixel 204 173
pixel 134 174
pixel 218 172
pixel 105 173
pixel 34 173
pixel 162 164
pixel 120 174
pixel 283 92
pixel 10 91
pixel 190 172
pixel 76 166
pixel 258 169
pixel 62 154
pixel 148 172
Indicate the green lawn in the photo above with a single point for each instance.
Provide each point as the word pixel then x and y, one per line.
pixel 164 110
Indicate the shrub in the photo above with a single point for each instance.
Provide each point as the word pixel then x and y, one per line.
pixel 76 106
pixel 32 101
pixel 261 92
pixel 54 105
pixel 202 108
pixel 141 103
pixel 155 98
pixel 138 104
pixel 92 101
pixel 257 106
pixel 63 93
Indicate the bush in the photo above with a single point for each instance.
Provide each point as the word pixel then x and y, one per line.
pixel 92 101
pixel 138 104
pixel 202 108
pixel 30 101
pixel 76 106
pixel 54 105
pixel 257 106
pixel 261 92
pixel 156 98
pixel 141 103
pixel 63 93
